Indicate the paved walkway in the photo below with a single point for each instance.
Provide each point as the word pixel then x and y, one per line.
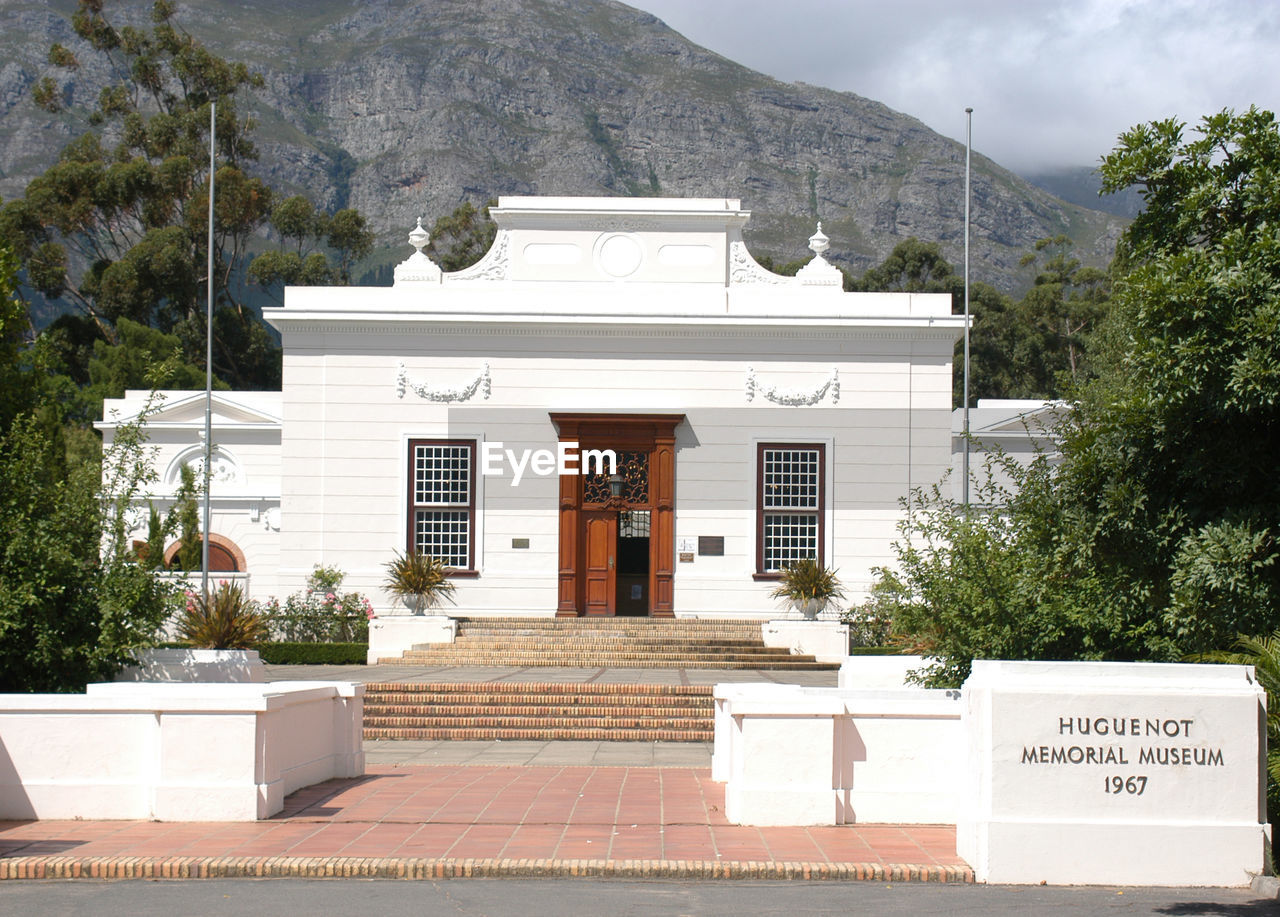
pixel 462 808
pixel 487 820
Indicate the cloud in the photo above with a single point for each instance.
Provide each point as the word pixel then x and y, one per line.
pixel 1050 83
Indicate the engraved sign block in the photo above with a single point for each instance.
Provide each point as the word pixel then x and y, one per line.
pixel 1113 773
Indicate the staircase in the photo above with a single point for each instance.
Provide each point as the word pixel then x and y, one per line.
pixel 607 643
pixel 498 710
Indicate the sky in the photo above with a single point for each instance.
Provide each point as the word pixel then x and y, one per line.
pixel 1051 84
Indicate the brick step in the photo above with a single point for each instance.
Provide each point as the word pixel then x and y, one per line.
pixel 700 651
pixel 532 709
pixel 545 711
pixel 606 639
pixel 475 705
pixel 596 660
pixel 607 625
pixel 545 734
pixel 617 621
pixel 529 722
pixel 682 664
pixel 667 632
pixel 584 662
pixel 616 650
pixel 538 688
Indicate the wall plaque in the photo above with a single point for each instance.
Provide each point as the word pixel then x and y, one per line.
pixel 711 545
pixel 520 542
pixel 686 557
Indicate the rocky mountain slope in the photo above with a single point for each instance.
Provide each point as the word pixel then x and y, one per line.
pixel 408 107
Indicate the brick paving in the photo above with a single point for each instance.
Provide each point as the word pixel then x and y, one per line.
pixel 411 821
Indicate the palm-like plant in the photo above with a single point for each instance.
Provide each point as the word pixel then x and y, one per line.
pixel 223 620
pixel 809 585
pixel 1263 653
pixel 420 577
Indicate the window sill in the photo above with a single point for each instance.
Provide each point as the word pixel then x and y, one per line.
pixel 766 577
pixel 462 574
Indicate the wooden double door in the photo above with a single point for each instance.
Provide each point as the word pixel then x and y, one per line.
pixel 617 552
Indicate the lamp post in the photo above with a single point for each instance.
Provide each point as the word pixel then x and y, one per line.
pixel 968 146
pixel 208 374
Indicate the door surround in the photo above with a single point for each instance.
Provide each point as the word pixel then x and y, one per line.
pixel 651 433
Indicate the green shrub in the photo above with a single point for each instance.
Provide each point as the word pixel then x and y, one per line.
pixel 313 653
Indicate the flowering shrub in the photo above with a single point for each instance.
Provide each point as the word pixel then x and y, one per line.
pixel 321 613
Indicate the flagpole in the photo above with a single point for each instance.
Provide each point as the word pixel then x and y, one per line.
pixel 968 146
pixel 208 371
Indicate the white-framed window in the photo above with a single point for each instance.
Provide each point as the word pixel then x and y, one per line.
pixel 790 504
pixel 442 500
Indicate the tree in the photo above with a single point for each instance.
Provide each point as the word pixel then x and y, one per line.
pixel 73 601
pixel 1006 352
pixel 1065 305
pixel 117 227
pixel 912 267
pixel 461 239
pixel 1158 532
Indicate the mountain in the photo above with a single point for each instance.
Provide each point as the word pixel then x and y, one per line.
pixel 1081 185
pixel 405 108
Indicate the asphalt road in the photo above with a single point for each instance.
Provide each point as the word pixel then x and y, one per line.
pixel 595 898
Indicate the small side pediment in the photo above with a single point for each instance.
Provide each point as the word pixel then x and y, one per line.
pixel 187 409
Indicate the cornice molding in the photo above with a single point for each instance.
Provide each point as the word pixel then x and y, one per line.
pixel 921 331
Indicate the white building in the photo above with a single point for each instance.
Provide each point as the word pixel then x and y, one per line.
pixel 755 419
pixel 1003 433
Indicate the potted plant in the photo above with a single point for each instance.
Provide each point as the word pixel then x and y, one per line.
pixel 808 587
pixel 219 630
pixel 419 580
pixel 223 620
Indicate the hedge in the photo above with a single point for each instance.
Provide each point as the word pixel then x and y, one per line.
pixel 313 653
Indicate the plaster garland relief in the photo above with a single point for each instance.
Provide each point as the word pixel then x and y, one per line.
pixel 792 398
pixel 481 384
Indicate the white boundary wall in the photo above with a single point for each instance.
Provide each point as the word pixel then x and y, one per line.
pixel 1093 773
pixel 175 752
pixel 1067 773
pixel 827 756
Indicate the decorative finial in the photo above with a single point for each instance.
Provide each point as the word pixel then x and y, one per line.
pixel 418 266
pixel 818 273
pixel 819 243
pixel 419 237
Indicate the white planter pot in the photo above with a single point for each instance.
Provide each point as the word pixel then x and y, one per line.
pixel 808 608
pixel 183 665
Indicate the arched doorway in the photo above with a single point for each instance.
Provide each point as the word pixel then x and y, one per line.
pixel 225 555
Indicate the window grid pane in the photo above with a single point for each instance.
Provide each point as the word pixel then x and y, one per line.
pixel 633 523
pixel 791 479
pixel 443 534
pixel 441 475
pixel 788 537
